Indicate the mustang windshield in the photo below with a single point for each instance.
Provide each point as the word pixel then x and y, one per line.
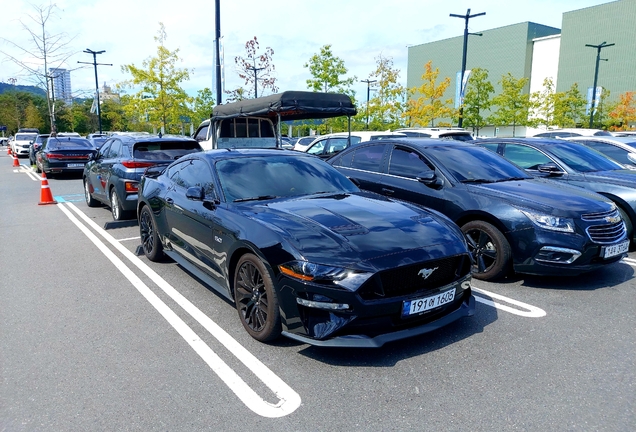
pixel 472 164
pixel 257 177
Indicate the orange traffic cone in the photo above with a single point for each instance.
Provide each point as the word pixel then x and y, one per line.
pixel 8 150
pixel 15 161
pixel 45 192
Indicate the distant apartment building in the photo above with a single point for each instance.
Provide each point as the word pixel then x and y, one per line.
pixel 61 84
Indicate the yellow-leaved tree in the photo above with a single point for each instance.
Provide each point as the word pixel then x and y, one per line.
pixel 426 104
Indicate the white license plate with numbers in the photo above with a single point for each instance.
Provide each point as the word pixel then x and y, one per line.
pixel 74 165
pixel 617 249
pixel 420 305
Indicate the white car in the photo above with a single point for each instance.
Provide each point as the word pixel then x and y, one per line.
pixel 303 143
pixel 328 145
pixel 572 132
pixel 458 134
pixel 21 142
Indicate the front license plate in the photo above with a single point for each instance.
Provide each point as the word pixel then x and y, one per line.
pixel 617 249
pixel 74 165
pixel 423 304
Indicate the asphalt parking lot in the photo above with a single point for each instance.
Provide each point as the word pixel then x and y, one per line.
pixel 96 337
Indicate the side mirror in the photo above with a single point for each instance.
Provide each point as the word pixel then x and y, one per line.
pixel 195 193
pixel 430 179
pixel 550 169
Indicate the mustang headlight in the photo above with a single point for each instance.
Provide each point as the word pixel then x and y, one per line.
pixel 310 272
pixel 549 222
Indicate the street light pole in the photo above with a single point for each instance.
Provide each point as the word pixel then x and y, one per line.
pixel 461 80
pixel 99 110
pixel 598 59
pixel 369 82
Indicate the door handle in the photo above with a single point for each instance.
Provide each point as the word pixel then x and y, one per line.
pixel 388 191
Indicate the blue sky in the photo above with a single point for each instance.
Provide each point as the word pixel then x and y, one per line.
pixel 358 30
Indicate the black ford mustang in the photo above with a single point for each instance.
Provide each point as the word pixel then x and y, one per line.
pixel 302 251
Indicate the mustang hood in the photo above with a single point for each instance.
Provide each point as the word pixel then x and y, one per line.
pixel 343 230
pixel 546 196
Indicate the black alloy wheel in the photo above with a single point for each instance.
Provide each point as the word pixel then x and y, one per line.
pixel 150 243
pixel 256 300
pixel 490 250
pixel 90 201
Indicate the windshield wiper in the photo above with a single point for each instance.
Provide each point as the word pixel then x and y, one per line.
pixel 473 180
pixel 258 198
pixel 510 179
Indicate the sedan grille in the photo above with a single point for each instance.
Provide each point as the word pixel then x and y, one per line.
pixel 612 230
pixel 407 280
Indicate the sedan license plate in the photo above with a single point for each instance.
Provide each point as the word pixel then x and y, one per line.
pixel 416 306
pixel 617 249
pixel 74 165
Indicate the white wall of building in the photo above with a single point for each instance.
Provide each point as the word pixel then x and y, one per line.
pixel 545 64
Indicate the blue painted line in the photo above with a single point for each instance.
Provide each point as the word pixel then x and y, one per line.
pixel 61 198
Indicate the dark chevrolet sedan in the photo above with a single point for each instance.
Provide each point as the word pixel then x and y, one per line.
pixel 63 154
pixel 302 251
pixel 574 164
pixel 511 220
pixel 112 176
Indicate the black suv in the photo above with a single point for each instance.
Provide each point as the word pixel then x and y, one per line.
pixel 112 176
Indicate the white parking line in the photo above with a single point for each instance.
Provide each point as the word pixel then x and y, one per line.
pixel 130 238
pixel 630 261
pixel 530 312
pixel 289 400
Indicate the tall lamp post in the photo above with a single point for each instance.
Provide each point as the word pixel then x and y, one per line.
pixel 461 80
pixel 598 58
pixel 99 110
pixel 369 82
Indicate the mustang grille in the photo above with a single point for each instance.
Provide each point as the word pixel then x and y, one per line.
pixel 410 279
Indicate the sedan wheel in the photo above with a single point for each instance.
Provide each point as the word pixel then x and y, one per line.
pixel 256 299
pixel 490 250
pixel 90 201
pixel 153 249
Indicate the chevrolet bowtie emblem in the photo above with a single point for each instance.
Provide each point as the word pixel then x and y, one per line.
pixel 425 273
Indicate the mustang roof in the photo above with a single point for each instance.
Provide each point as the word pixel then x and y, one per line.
pixel 291 105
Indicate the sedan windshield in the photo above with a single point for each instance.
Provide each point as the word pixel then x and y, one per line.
pixel 582 158
pixel 259 177
pixel 476 164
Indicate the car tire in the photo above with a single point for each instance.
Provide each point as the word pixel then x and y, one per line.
pixel 90 201
pixel 115 206
pixel 490 250
pixel 629 227
pixel 150 243
pixel 37 168
pixel 256 300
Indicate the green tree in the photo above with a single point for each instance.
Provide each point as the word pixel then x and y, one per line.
pixel 46 51
pixel 386 107
pixel 429 106
pixel 512 105
pixel 159 95
pixel 477 99
pixel 256 69
pixel 328 73
pixel 543 103
pixel 202 105
pixel 569 108
pixel 23 109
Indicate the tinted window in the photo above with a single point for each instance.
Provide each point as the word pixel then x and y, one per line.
pixel 602 133
pixel 336 144
pixel 525 156
pixel 406 163
pixel 616 153
pixel 583 158
pixel 317 148
pixel 202 133
pixel 68 143
pixel 115 149
pixel 105 149
pixel 472 163
pixel 279 176
pixel 368 158
pixel 192 173
pixel 164 149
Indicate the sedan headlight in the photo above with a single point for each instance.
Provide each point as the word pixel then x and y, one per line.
pixel 549 222
pixel 310 272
